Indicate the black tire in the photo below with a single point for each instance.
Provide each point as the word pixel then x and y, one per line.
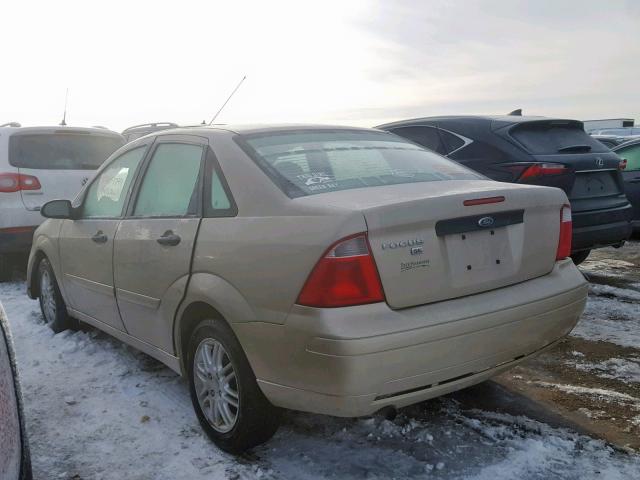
pixel 580 256
pixel 55 314
pixel 256 419
pixel 6 268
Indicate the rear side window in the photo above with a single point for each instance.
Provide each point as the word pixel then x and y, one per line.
pixel 310 162
pixel 632 154
pixel 423 135
pixel 452 142
pixel 169 186
pixel 61 151
pixel 545 138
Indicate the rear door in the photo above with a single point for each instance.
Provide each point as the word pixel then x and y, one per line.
pixel 154 243
pixel 62 160
pixel 86 243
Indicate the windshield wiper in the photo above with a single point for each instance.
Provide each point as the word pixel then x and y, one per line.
pixel 575 148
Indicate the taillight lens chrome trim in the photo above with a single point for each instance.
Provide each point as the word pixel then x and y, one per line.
pixel 345 276
pixel 566 231
pixel 15 182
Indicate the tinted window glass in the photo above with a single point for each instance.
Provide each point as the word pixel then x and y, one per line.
pixel 310 162
pixel 452 142
pixel 426 136
pixel 169 185
pixel 106 195
pixel 632 154
pixel 60 151
pixel 549 138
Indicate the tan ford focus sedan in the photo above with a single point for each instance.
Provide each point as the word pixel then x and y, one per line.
pixel 326 269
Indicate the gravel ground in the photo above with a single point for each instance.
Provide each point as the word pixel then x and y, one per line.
pixel 97 409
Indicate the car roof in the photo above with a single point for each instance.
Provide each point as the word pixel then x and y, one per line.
pixel 58 129
pixel 499 120
pixel 259 128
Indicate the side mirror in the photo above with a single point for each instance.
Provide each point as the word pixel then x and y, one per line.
pixel 57 209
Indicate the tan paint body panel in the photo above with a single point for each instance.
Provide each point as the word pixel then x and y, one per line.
pixel 250 268
pixel 338 361
pixel 151 278
pixel 87 269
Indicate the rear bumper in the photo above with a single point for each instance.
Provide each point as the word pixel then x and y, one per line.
pixel 16 239
pixel 354 361
pixel 594 229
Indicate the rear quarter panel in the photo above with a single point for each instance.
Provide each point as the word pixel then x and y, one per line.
pixel 267 251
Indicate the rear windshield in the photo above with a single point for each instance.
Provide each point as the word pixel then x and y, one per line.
pixel 61 151
pixel 310 162
pixel 549 138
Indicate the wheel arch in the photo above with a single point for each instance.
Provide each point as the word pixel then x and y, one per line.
pixel 43 247
pixel 208 297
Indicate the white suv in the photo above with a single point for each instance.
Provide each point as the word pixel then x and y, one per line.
pixel 38 164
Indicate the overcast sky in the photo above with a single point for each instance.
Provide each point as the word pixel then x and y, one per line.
pixel 346 62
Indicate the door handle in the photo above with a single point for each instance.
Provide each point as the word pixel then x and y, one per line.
pixel 634 180
pixel 169 238
pixel 99 237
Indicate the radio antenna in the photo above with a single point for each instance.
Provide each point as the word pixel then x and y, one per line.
pixel 64 115
pixel 227 100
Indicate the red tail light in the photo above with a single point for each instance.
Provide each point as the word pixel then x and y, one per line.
pixel 14 182
pixel 623 164
pixel 525 172
pixel 566 231
pixel 346 275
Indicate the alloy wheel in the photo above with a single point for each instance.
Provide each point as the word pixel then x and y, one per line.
pixel 216 385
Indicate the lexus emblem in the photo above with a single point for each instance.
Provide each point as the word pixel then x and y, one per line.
pixel 599 162
pixel 486 221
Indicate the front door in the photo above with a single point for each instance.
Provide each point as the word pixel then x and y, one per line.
pixel 86 244
pixel 154 243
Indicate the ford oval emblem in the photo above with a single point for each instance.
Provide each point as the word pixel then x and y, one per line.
pixel 486 221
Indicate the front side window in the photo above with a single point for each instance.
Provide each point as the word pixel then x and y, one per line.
pixel 632 154
pixel 311 162
pixel 107 193
pixel 169 187
pixel 62 151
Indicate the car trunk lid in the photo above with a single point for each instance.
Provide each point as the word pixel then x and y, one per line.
pixel 430 247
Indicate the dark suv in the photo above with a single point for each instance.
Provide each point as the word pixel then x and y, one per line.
pixel 538 151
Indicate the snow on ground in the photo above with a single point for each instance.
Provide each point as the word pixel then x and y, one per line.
pixel 612 315
pixel 626 370
pixel 101 410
